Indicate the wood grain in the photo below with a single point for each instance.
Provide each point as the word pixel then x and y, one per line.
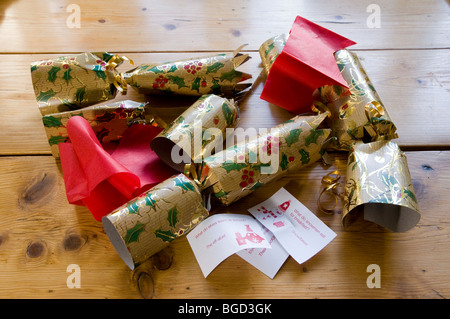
pixel 41 234
pixel 171 25
pixel 413 85
pixel 48 235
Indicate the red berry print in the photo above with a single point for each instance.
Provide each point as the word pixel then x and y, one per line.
pixel 193 67
pixel 247 178
pixel 160 82
pixel 216 120
pixel 271 145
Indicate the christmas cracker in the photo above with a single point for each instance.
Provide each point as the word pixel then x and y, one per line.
pixel 109 122
pixel 215 74
pixel 197 132
pixel 150 222
pixel 379 186
pixel 240 169
pixel 75 81
pixel 270 50
pixel 357 113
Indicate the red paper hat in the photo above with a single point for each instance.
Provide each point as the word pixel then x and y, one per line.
pixel 103 181
pixel 306 63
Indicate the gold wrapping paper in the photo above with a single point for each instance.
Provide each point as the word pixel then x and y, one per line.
pixel 357 113
pixel 109 121
pixel 75 81
pixel 239 170
pixel 270 50
pixel 378 185
pixel 150 222
pixel 215 74
pixel 197 133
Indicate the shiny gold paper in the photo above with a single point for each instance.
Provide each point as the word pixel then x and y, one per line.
pixel 239 170
pixel 270 50
pixel 378 185
pixel 109 122
pixel 214 74
pixel 150 222
pixel 75 81
pixel 357 113
pixel 197 133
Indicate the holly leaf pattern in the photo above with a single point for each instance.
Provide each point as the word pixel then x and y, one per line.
pixel 293 136
pixel 184 185
pixel 99 72
pixel 196 84
pixel 313 136
pixel 230 75
pixel 52 73
pixel 227 113
pixel 133 207
pixel 172 217
pixel 214 67
pixel 79 95
pixel 304 156
pixel 133 233
pixel 165 235
pixel 284 162
pixel 44 96
pixel 177 80
pixel 51 121
pixel 54 140
pixel 67 75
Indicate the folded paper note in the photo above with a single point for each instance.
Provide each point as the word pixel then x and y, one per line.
pixel 282 226
pixel 150 222
pixel 75 81
pixel 102 181
pixel 305 64
pixel 197 133
pixel 221 235
pixel 379 186
pixel 109 122
pixel 240 169
pixel 301 233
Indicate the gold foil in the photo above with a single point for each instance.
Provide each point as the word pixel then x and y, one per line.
pixel 239 170
pixel 357 113
pixel 214 74
pixel 150 222
pixel 197 132
pixel 378 185
pixel 75 81
pixel 270 50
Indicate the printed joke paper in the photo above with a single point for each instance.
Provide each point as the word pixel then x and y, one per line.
pixel 283 227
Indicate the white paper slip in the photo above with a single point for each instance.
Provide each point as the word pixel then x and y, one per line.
pixel 221 235
pixel 268 261
pixel 296 228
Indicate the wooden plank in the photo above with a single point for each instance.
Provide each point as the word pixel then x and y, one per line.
pixel 41 235
pixel 413 85
pixel 174 25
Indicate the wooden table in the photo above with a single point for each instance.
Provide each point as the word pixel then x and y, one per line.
pixel 407 59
